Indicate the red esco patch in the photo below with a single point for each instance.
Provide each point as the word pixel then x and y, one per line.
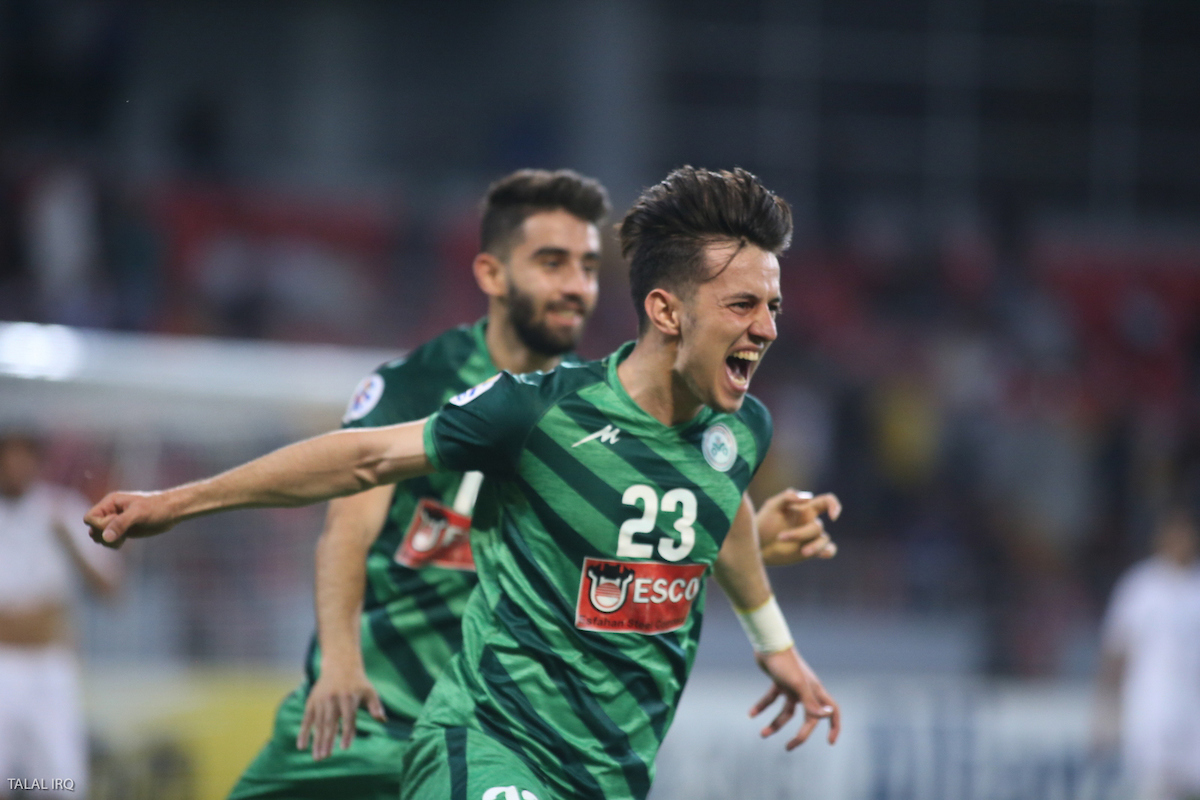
pixel 636 596
pixel 438 536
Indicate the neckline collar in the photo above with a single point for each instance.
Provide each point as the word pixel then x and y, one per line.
pixel 703 418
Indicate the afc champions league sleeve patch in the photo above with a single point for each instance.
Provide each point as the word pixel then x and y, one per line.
pixel 474 391
pixel 365 398
pixel 720 447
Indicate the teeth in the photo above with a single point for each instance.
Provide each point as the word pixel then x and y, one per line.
pixel 747 355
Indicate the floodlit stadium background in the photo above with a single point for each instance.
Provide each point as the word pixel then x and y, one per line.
pixel 989 347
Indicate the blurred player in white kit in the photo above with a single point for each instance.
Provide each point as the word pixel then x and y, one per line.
pixel 1151 668
pixel 46 551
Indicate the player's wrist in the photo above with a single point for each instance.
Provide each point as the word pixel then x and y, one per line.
pixel 766 628
pixel 342 661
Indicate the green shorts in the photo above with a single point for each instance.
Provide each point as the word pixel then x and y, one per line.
pixel 370 769
pixel 465 764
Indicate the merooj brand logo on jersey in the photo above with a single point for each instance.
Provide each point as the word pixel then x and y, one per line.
pixel 608 434
pixel 636 596
pixel 438 536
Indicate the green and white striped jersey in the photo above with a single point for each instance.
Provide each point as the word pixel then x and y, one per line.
pixel 593 535
pixel 419 570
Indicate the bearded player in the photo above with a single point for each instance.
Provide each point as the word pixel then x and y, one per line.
pixel 394 567
pixel 639 461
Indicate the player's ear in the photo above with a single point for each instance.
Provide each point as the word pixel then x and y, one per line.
pixel 665 311
pixel 491 275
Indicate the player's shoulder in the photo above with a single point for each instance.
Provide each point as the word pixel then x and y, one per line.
pixel 533 392
pixel 567 378
pixel 415 385
pixel 755 416
pixel 1140 580
pixel 445 354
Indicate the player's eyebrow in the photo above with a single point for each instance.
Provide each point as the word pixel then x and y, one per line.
pixel 777 300
pixel 561 252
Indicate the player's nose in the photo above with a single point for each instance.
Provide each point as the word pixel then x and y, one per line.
pixel 762 326
pixel 578 280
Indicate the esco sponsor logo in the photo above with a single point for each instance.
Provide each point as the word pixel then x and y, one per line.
pixel 636 596
pixel 658 590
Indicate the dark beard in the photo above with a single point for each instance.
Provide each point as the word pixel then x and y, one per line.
pixel 521 312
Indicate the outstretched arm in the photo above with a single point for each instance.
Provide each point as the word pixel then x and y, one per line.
pixel 331 465
pixel 739 570
pixel 351 526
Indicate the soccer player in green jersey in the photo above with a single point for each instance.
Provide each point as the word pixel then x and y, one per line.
pixel 394 565
pixel 615 487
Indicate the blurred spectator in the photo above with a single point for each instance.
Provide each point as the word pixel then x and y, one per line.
pixel 1150 676
pixel 62 233
pixel 45 546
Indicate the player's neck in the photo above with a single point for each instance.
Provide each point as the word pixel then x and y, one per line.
pixel 649 377
pixel 509 352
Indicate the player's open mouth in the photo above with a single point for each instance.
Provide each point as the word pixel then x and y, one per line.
pixel 740 366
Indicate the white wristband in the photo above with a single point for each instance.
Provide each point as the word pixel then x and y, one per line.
pixel 766 628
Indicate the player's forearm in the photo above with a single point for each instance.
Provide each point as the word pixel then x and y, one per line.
pixel 739 567
pixel 351 526
pixel 339 592
pixel 327 466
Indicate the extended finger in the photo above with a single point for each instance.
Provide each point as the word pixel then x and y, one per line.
pixel 782 718
pixel 829 551
pixel 305 726
pixel 375 707
pixel 835 723
pixel 324 729
pixel 829 504
pixel 765 702
pixel 800 738
pixel 349 707
pixel 802 533
pixel 816 546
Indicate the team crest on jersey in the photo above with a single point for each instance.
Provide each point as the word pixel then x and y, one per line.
pixel 720 447
pixel 474 391
pixel 636 596
pixel 438 536
pixel 365 398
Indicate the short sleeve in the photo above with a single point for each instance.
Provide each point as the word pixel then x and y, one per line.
pixel 388 396
pixel 484 428
pixel 364 407
pixel 758 419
